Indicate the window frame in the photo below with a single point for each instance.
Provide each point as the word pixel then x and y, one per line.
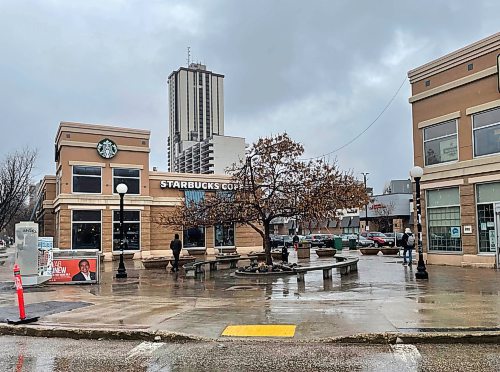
pixel 234 237
pixel 476 195
pixel 433 139
pixel 124 222
pixel 72 222
pixel 92 176
pixel 132 178
pixel 474 156
pixel 429 251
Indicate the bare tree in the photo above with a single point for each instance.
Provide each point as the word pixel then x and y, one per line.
pixel 384 213
pixel 15 177
pixel 274 182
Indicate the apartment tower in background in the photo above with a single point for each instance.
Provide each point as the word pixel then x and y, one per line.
pixel 196 142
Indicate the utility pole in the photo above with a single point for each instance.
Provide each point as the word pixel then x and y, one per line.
pixel 366 206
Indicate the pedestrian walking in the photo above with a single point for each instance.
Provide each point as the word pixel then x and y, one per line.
pixel 176 247
pixel 295 241
pixel 408 241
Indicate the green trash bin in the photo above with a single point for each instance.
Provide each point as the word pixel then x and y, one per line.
pixel 337 243
pixel 352 244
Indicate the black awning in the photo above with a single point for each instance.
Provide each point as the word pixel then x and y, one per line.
pixel 332 223
pixel 354 222
pixel 345 222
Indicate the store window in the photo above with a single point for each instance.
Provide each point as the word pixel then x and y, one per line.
pixel 443 220
pixel 440 143
pixel 131 230
pixel 86 179
pixel 224 235
pixel 194 237
pixel 486 196
pixel 86 229
pixel 486 129
pixel 130 177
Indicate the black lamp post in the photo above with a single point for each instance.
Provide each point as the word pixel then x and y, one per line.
pixel 366 206
pixel 417 173
pixel 121 189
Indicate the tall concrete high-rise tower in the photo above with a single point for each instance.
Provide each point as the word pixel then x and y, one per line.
pixel 196 142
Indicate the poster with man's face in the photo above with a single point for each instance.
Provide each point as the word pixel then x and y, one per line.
pixel 74 270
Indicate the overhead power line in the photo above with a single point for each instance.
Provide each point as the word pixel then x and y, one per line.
pixel 368 127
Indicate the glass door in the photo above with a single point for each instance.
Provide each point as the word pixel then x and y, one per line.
pixel 497 241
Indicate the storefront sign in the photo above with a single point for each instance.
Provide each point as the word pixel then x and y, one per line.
pixel 107 148
pixel 74 270
pixel 197 185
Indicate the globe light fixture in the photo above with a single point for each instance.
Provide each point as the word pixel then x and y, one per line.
pixel 121 189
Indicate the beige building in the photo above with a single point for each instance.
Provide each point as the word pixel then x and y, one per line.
pixel 456 136
pixel 80 208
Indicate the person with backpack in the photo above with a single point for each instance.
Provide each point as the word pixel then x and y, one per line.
pixel 408 241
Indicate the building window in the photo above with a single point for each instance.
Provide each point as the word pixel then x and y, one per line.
pixel 194 237
pixel 443 220
pixel 86 179
pixel 86 229
pixel 486 196
pixel 224 235
pixel 486 129
pixel 131 230
pixel 440 143
pixel 130 177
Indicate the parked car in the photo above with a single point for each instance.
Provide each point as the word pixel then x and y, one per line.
pixel 364 242
pixel 391 236
pixel 378 239
pixel 319 240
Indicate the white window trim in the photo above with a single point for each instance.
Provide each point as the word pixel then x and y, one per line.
pixel 433 139
pixel 474 130
pixel 131 178
pixel 73 175
pixel 459 205
pixel 100 235
pixel 226 246
pixel 205 240
pixel 140 230
pixel 476 194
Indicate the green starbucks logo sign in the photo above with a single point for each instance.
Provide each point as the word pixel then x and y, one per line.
pixel 107 148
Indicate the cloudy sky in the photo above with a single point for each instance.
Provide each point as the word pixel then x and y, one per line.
pixel 320 70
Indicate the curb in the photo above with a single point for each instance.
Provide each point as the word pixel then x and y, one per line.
pixel 471 337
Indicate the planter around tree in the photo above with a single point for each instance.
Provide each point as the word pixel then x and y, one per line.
pixel 227 255
pixel 389 251
pixel 276 254
pixel 326 252
pixel 369 251
pixel 155 262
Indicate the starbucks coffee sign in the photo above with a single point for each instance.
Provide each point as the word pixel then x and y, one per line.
pixel 107 148
pixel 197 185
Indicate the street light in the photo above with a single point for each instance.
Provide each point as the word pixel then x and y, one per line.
pixel 121 189
pixel 366 206
pixel 416 173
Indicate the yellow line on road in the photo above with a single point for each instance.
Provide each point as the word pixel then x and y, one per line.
pixel 260 330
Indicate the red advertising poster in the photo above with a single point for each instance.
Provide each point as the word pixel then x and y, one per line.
pixel 74 270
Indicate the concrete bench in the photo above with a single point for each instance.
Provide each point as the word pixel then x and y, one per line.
pixel 344 265
pixel 197 267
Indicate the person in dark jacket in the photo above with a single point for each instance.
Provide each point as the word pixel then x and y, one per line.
pixel 176 247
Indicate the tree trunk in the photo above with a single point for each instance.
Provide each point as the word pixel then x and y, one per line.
pixel 267 243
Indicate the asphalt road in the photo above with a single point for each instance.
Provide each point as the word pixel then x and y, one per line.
pixel 43 354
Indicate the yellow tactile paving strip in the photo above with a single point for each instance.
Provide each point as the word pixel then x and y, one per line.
pixel 260 330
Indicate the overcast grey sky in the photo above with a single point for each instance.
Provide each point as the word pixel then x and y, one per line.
pixel 320 70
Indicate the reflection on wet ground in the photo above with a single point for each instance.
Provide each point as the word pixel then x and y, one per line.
pixel 382 296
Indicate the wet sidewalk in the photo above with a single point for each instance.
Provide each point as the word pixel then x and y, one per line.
pixel 383 296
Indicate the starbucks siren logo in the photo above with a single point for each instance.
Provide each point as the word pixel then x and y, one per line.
pixel 107 148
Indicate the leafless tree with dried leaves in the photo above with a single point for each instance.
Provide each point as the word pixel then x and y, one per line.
pixel 273 182
pixel 15 178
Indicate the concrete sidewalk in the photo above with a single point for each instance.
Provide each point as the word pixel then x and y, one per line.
pixel 383 297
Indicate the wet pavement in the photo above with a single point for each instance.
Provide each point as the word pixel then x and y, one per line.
pixel 383 296
pixel 40 354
